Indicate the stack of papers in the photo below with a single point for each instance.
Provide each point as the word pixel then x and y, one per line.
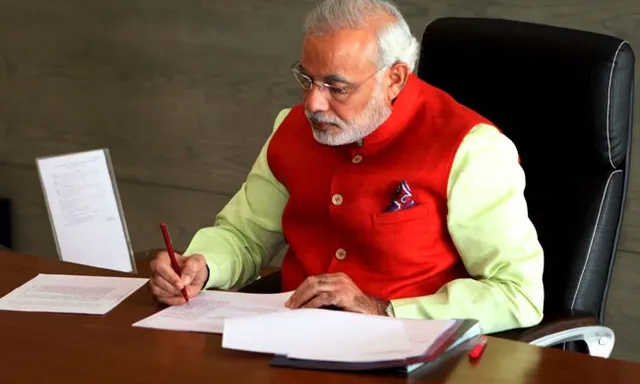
pixel 339 340
pixel 324 335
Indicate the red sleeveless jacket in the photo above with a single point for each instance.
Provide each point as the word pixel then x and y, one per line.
pixel 335 219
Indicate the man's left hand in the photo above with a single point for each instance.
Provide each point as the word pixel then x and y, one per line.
pixel 335 289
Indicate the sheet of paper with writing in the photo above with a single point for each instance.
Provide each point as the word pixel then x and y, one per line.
pixel 95 295
pixel 85 211
pixel 206 312
pixel 311 333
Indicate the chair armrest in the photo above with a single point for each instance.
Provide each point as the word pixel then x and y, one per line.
pixel 566 327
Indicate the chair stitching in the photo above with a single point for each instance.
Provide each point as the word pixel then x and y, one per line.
pixel 593 236
pixel 608 122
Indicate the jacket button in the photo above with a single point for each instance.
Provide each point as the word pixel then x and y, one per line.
pixel 341 254
pixel 337 199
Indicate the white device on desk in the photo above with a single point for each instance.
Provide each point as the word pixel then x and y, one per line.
pixel 84 208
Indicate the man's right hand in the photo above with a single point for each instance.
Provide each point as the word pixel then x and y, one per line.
pixel 165 285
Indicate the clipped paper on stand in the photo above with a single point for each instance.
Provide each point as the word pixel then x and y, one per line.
pixel 84 208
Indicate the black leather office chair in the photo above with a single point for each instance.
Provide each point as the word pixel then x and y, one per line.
pixel 565 98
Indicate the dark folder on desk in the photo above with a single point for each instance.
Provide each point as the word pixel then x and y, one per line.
pixel 445 344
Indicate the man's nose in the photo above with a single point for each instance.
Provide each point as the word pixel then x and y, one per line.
pixel 315 100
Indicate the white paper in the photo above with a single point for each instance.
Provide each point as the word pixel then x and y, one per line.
pixel 311 333
pixel 84 210
pixel 422 334
pixel 206 311
pixel 95 295
pixel 323 335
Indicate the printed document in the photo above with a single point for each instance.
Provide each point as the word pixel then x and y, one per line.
pixel 94 295
pixel 84 209
pixel 206 311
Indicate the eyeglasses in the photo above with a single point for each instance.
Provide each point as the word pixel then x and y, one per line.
pixel 338 93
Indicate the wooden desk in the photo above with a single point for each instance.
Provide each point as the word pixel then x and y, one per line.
pixel 61 348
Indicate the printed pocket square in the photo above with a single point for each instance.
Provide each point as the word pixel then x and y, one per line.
pixel 403 198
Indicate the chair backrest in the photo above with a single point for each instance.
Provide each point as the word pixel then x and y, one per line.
pixel 565 98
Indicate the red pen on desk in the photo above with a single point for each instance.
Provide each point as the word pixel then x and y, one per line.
pixel 172 256
pixel 479 348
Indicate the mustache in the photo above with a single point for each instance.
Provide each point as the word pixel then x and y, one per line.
pixel 320 118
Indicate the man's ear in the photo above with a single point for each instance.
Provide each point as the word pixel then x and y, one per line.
pixel 398 76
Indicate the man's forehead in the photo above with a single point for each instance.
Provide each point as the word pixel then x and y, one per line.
pixel 347 51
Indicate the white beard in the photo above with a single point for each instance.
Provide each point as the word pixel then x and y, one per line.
pixel 374 114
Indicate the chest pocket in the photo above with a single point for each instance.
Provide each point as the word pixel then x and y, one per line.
pixel 380 220
pixel 409 240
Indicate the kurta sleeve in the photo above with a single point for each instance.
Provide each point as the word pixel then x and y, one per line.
pixel 247 233
pixel 498 244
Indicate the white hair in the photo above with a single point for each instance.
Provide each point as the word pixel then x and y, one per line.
pixel 394 40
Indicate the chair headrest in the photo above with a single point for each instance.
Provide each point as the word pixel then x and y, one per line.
pixel 554 87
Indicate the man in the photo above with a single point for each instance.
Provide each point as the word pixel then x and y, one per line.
pixel 394 199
